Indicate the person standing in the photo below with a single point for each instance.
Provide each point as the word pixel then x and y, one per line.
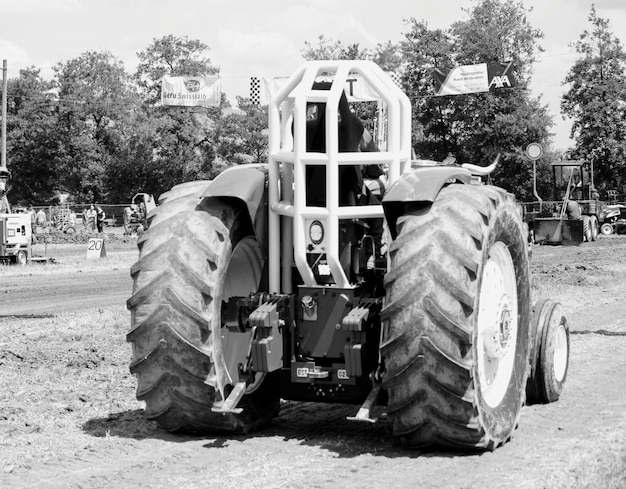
pixel 90 215
pixel 100 218
pixel 40 218
pixel 33 217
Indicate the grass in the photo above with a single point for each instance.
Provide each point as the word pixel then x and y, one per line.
pixel 598 467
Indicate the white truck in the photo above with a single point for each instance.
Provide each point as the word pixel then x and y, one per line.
pixel 15 238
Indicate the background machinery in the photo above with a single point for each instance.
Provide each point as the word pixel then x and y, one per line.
pixel 613 219
pixel 273 281
pixel 15 228
pixel 135 215
pixel 573 214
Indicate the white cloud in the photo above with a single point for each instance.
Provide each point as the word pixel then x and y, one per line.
pixel 254 52
pixel 14 54
pixel 27 6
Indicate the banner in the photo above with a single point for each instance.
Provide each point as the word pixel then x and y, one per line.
pixel 500 76
pixel 356 88
pixel 462 79
pixel 190 91
pixel 477 78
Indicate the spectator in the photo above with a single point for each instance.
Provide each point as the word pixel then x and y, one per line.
pixel 572 210
pixel 40 219
pixel 100 218
pixel 33 217
pixel 90 218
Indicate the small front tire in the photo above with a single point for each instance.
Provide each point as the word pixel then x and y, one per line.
pixel 21 258
pixel 606 229
pixel 550 355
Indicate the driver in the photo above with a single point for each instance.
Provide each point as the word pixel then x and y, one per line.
pixel 353 137
pixel 357 184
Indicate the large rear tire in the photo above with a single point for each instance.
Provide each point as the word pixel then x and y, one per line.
pixel 586 228
pixel 195 254
pixel 456 334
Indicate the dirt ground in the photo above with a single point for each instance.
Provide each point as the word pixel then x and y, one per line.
pixel 69 418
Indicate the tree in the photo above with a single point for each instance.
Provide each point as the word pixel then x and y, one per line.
pixel 242 137
pixel 328 48
pixel 171 56
pixel 32 146
pixel 388 56
pixel 476 127
pixel 596 102
pixel 183 138
pixel 498 30
pixel 95 100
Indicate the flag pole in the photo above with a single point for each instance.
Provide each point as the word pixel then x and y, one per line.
pixel 3 136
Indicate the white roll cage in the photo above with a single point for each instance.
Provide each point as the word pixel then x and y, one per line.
pixel 288 159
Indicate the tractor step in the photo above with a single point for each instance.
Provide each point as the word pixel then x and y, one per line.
pixel 363 413
pixel 229 405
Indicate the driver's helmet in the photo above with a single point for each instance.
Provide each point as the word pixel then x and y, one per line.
pixel 350 128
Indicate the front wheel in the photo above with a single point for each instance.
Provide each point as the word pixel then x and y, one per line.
pixel 194 256
pixel 456 331
pixel 606 228
pixel 21 258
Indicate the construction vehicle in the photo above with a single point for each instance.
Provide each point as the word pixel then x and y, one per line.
pixel 15 238
pixel 548 220
pixel 260 285
pixel 135 215
pixel 15 228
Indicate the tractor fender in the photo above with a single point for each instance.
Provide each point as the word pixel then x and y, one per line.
pixel 246 184
pixel 419 185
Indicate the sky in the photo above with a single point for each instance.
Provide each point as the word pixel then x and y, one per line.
pixel 265 38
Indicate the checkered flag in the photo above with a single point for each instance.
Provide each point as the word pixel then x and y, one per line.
pixel 395 77
pixel 255 90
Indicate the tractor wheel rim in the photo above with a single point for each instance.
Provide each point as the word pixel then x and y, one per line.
pixel 242 278
pixel 561 352
pixel 497 325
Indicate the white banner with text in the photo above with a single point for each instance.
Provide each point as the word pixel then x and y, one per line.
pixel 190 91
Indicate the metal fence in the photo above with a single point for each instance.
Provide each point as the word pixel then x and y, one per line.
pixel 76 213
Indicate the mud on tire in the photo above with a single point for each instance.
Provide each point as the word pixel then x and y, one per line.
pixel 192 257
pixel 457 265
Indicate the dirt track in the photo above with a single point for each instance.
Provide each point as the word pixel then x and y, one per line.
pixel 570 443
pixel 25 296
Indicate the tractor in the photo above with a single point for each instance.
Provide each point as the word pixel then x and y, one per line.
pixel 613 219
pixel 135 215
pixel 291 281
pixel 555 221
